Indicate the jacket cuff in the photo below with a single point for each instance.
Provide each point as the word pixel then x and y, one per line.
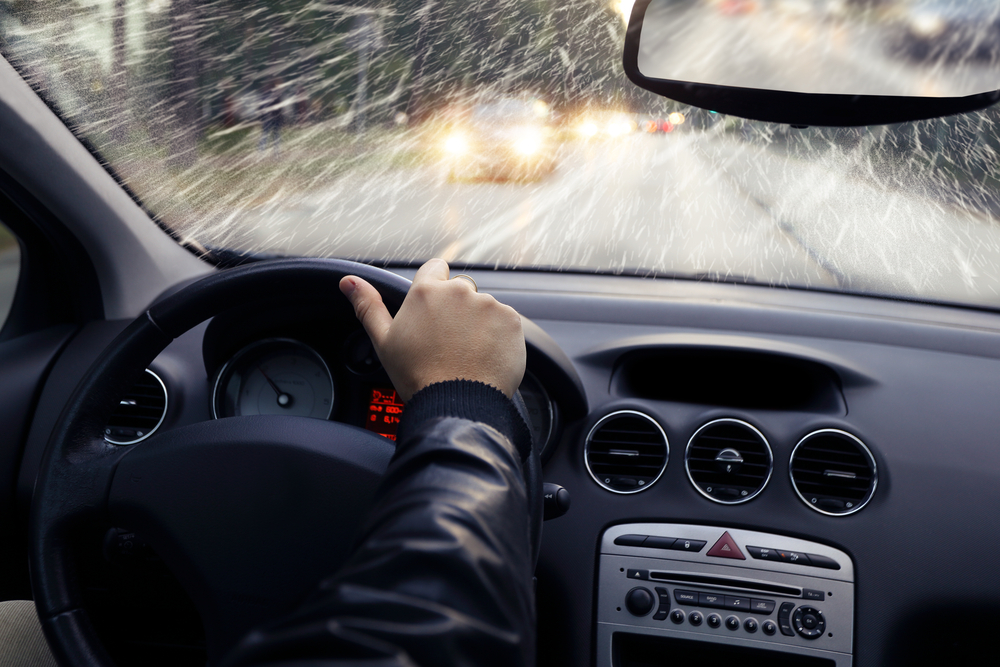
pixel 466 399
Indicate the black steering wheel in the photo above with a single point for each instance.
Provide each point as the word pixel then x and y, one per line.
pixel 249 513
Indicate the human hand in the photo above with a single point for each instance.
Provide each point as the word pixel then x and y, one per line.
pixel 444 330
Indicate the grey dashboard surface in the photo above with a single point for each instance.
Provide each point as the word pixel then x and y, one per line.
pixel 920 386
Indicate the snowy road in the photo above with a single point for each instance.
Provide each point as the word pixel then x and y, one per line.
pixel 691 203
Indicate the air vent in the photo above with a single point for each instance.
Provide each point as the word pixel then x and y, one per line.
pixel 728 461
pixel 626 451
pixel 139 413
pixel 833 472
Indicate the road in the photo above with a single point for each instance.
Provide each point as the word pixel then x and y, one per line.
pixel 693 203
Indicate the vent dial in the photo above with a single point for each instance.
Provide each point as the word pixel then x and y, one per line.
pixel 728 461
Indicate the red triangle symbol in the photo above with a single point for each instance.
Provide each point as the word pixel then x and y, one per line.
pixel 726 548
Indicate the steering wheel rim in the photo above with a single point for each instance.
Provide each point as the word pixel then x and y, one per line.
pixel 77 483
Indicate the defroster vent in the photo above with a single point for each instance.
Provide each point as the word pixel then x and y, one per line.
pixel 728 461
pixel 833 472
pixel 139 413
pixel 626 451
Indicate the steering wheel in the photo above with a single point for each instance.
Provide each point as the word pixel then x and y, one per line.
pixel 249 513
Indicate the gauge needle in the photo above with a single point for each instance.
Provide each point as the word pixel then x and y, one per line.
pixel 284 400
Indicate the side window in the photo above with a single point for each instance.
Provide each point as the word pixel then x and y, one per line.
pixel 10 269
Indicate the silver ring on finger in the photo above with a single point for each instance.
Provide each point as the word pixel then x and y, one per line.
pixel 475 287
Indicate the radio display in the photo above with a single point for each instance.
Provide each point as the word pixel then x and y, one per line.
pixel 384 410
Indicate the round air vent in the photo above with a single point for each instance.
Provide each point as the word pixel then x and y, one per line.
pixel 139 413
pixel 626 451
pixel 728 461
pixel 833 472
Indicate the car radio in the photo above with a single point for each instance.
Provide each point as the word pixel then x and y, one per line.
pixel 667 590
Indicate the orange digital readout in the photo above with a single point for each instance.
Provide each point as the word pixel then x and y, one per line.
pixel 384 411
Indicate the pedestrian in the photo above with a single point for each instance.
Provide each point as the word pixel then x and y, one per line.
pixel 271 118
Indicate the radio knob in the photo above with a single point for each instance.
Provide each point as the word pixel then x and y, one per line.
pixel 639 601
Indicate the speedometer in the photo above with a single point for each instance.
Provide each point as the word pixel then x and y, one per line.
pixel 277 376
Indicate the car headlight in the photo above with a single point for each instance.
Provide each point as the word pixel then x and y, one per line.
pixel 528 143
pixel 926 24
pixel 587 129
pixel 456 144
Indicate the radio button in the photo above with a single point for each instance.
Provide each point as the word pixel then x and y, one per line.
pixel 689 598
pixel 711 600
pixel 733 623
pixel 639 601
pixel 769 628
pixel 762 606
pixel 784 618
pixel 714 620
pixel 737 603
pixel 695 618
pixel 677 616
pixel 809 594
pixel 750 625
pixel 637 574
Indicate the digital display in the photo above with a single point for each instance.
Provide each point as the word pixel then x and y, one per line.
pixel 384 410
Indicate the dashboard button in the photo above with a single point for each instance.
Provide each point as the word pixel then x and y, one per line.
pixel 677 616
pixel 810 594
pixel 714 620
pixel 637 574
pixel 712 601
pixel 822 561
pixel 689 598
pixel 761 606
pixel 695 618
pixel 661 614
pixel 769 628
pixel 795 557
pixel 654 542
pixel 639 601
pixel 630 540
pixel 750 625
pixel 694 546
pixel 809 622
pixel 664 595
pixel 737 603
pixel 762 553
pixel 733 623
pixel 784 618
pixel 726 548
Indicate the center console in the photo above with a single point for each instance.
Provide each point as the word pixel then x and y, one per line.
pixel 668 591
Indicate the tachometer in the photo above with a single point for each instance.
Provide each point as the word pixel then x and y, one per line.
pixel 277 376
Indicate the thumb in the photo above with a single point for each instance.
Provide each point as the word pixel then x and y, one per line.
pixel 368 307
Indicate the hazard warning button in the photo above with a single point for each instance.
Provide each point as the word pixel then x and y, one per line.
pixel 726 548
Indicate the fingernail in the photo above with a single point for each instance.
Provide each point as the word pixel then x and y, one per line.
pixel 348 286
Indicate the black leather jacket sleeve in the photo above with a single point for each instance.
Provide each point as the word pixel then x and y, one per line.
pixel 441 575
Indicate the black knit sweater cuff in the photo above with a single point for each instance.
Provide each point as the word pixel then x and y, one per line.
pixel 466 399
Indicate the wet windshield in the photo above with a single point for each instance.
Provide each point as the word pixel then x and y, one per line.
pixel 502 133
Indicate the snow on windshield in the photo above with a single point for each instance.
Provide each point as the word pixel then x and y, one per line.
pixel 503 133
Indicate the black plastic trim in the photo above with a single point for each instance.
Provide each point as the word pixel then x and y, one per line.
pixel 799 109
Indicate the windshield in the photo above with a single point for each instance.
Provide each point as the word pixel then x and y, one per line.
pixel 503 133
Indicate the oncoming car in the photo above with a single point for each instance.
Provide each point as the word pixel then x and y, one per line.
pixel 501 139
pixel 762 355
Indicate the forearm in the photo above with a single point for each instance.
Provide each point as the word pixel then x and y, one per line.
pixel 442 570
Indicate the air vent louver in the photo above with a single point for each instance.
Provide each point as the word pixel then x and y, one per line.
pixel 728 461
pixel 626 452
pixel 833 472
pixel 139 413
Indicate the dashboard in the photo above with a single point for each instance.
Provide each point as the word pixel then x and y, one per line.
pixel 684 419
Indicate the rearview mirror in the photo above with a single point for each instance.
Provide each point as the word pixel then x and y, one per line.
pixel 818 62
